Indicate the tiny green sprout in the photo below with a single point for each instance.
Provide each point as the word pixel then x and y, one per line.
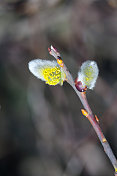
pixel 88 74
pixel 48 71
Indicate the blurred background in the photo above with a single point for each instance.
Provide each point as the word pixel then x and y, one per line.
pixel 42 130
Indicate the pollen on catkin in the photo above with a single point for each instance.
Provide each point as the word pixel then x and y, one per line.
pixel 88 74
pixel 48 71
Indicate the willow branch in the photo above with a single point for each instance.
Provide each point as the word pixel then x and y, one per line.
pixel 87 108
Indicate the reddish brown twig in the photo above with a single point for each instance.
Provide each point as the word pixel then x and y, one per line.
pixel 87 112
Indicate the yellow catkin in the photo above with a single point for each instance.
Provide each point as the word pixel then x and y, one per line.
pixel 52 75
pixel 115 170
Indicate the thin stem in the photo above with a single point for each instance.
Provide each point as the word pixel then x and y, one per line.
pixel 100 134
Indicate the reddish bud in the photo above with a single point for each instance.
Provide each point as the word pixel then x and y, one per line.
pixel 96 118
pixel 60 62
pixel 79 86
pixel 84 112
pixel 49 49
pixel 55 50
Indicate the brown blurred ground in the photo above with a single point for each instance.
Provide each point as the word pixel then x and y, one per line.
pixel 42 130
